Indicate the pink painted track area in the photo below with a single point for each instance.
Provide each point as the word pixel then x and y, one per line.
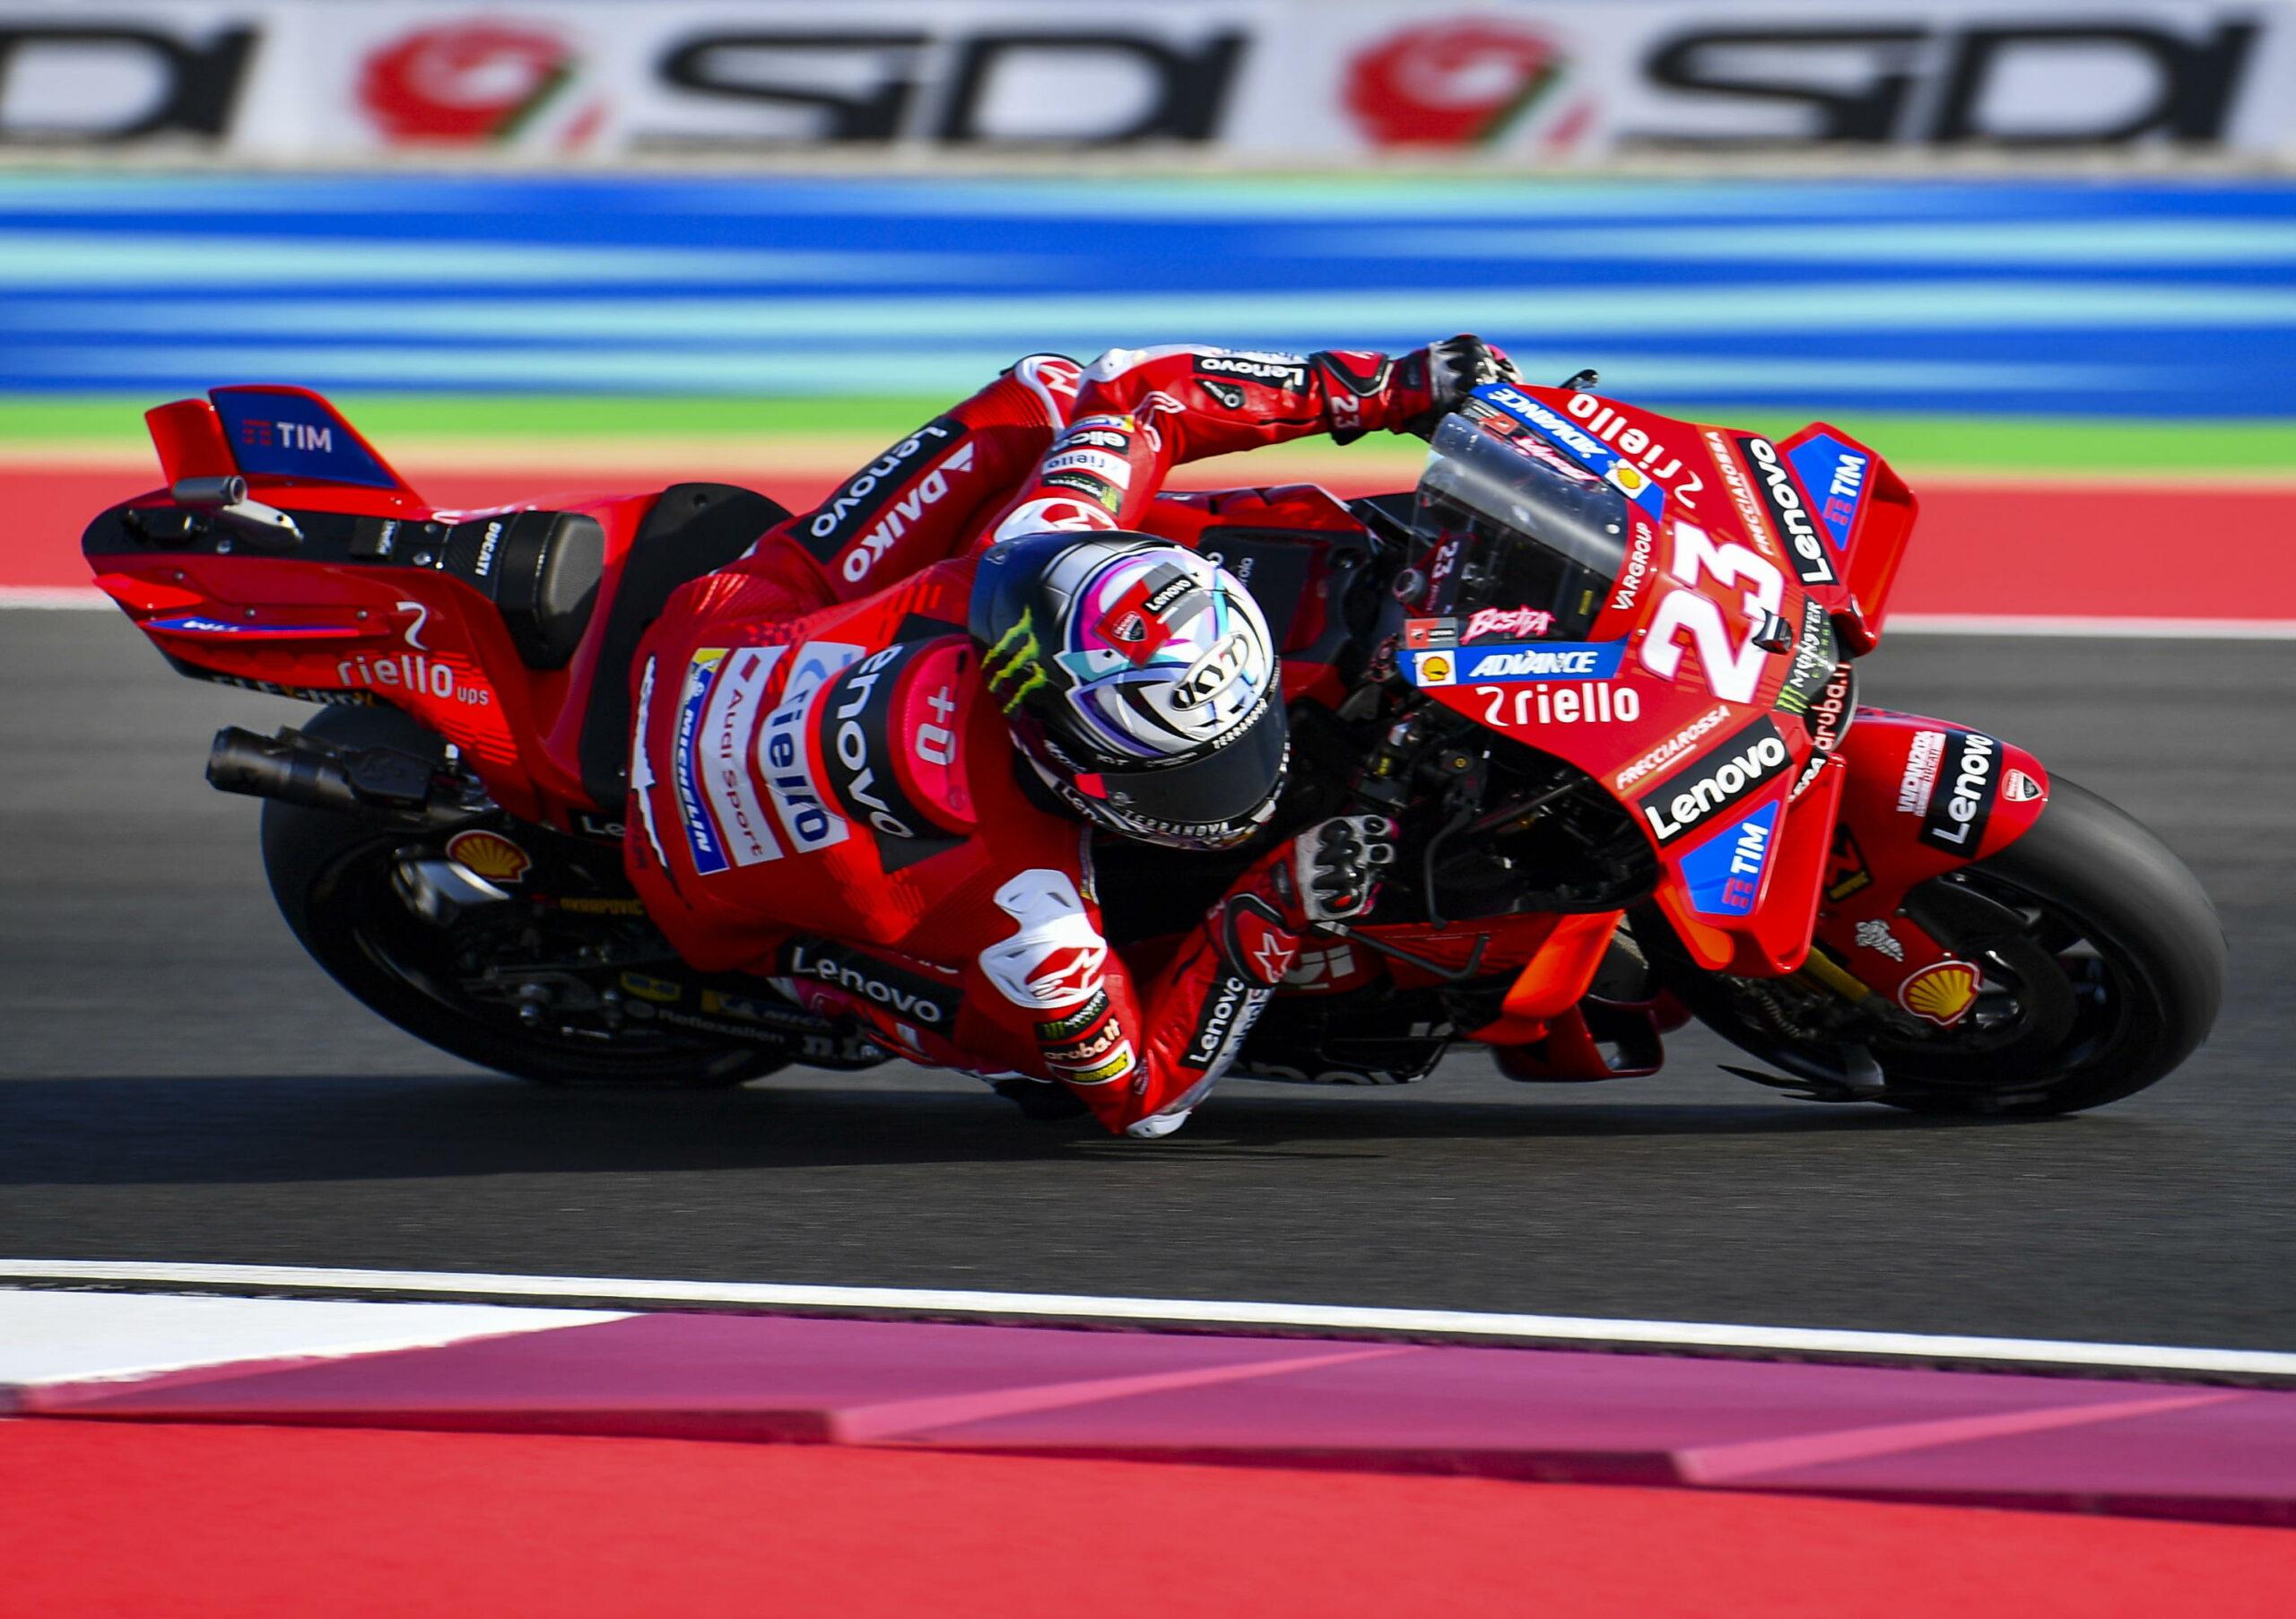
pixel 2005 550
pixel 2057 1444
pixel 219 1523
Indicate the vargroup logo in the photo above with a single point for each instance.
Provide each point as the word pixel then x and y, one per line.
pixel 1470 81
pixel 486 83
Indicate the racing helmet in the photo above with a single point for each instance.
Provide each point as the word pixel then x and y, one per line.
pixel 1140 682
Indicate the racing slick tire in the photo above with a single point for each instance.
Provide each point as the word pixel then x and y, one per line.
pixel 2102 964
pixel 332 876
pixel 2111 911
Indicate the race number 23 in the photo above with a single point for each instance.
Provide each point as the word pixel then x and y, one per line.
pixel 1733 669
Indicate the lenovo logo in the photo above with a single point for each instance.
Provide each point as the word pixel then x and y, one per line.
pixel 1730 774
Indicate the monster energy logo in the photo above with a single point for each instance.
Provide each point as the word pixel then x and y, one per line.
pixel 1014 656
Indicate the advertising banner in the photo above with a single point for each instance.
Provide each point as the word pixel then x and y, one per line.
pixel 1304 82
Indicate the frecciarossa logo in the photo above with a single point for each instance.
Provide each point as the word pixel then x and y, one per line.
pixel 1730 774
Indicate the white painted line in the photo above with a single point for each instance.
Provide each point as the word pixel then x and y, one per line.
pixel 56 1337
pixel 67 596
pixel 1325 1317
pixel 2148 628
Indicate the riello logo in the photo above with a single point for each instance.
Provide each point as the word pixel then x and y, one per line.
pixel 412 671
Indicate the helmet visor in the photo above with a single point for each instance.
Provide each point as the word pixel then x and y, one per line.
pixel 1231 783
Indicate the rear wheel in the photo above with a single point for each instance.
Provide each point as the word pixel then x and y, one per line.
pixel 2103 970
pixel 336 883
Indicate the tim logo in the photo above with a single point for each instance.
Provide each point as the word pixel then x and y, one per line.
pixel 285 435
pixel 1746 859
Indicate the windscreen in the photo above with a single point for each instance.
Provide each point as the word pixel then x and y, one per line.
pixel 1533 530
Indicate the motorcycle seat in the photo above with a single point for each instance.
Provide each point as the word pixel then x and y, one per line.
pixel 693 529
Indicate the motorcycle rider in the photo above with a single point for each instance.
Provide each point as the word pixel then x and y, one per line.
pixel 870 757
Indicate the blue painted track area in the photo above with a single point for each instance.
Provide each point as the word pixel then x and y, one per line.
pixel 2165 298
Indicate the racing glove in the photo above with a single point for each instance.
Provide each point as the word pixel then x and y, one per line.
pixel 1329 873
pixel 1364 390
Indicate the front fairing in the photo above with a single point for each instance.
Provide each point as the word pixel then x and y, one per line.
pixel 1708 687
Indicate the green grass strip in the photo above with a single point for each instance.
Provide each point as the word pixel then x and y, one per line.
pixel 1915 442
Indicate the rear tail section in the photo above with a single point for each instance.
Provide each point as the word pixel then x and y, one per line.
pixel 274 437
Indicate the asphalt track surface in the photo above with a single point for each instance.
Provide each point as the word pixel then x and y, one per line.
pixel 177 1082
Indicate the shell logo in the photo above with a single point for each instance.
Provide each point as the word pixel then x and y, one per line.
pixel 488 855
pixel 1942 992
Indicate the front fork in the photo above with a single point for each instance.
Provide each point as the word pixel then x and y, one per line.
pixel 1919 799
pixel 1924 799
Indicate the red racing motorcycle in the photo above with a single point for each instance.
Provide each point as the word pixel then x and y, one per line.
pixel 1600 666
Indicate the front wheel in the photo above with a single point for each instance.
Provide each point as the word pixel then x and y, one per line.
pixel 333 879
pixel 2103 970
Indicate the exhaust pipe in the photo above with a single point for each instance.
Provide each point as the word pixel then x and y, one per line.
pixel 294 769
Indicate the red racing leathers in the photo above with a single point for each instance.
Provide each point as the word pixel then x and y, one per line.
pixel 824 796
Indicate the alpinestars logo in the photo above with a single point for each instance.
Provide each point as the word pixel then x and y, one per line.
pixel 1057 956
pixel 1730 774
pixel 1254 939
